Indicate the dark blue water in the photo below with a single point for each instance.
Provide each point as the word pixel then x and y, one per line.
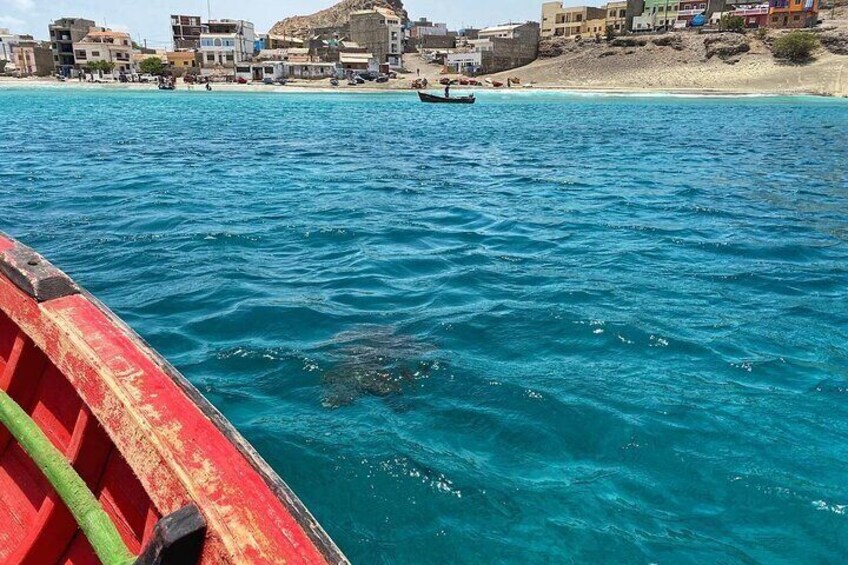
pixel 542 329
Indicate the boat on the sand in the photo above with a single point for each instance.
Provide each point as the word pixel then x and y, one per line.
pixel 433 99
pixel 108 454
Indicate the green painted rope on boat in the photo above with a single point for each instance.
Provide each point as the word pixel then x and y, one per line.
pixel 89 514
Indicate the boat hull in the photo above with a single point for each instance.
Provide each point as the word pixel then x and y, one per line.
pixel 432 99
pixel 144 440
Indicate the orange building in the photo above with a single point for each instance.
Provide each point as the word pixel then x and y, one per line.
pixel 793 13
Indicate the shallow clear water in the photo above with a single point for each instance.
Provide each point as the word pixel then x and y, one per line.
pixel 545 328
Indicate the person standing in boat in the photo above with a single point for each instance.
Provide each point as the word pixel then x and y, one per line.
pixel 447 90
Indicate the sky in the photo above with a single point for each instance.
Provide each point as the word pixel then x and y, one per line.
pixel 149 19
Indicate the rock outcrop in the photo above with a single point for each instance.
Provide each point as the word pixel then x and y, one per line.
pixel 335 16
pixel 835 41
pixel 726 46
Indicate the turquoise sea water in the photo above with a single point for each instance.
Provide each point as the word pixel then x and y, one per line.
pixel 543 329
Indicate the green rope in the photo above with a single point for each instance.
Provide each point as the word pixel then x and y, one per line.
pixel 92 519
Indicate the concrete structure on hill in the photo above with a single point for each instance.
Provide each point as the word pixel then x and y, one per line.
pixel 436 42
pixel 101 44
pixel 559 21
pixel 380 32
pixel 186 31
pixel 224 44
pixel 64 32
pixel 502 47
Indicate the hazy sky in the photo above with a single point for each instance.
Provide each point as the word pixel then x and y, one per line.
pixel 148 19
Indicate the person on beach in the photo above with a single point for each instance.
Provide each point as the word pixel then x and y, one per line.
pixel 208 86
pixel 418 71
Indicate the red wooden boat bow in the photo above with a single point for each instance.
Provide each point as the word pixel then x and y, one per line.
pixel 104 446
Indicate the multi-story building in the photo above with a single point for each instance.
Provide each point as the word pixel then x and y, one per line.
pixel 658 14
pixel 185 32
pixel 101 44
pixel 64 32
pixel 423 27
pixel 559 21
pixel 793 13
pixel 616 17
pixel 380 32
pixel 754 14
pixel 32 58
pixel 688 9
pixel 8 40
pixel 224 44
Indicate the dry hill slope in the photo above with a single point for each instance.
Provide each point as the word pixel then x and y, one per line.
pixel 685 61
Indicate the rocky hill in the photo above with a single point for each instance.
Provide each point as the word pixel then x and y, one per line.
pixel 335 16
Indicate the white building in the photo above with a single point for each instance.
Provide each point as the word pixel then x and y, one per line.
pixel 224 44
pixel 464 61
pixel 504 31
pixel 102 44
pixel 7 42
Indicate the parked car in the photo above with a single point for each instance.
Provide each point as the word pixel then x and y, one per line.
pixel 241 80
pixel 268 80
pixel 382 78
pixel 147 77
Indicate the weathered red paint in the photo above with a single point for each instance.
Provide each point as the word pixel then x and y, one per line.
pixel 141 437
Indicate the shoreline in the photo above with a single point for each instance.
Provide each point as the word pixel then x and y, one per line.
pixel 323 88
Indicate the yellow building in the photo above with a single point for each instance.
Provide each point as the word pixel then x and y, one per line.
pixel 617 16
pixel 559 21
pixel 185 60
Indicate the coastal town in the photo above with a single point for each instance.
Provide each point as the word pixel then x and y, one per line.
pixel 377 42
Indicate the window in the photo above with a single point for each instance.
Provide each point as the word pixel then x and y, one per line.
pixel 95 53
pixel 210 58
pixel 217 42
pixel 796 18
pixel 229 57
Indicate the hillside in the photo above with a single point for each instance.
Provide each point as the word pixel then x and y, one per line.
pixel 334 16
pixel 688 61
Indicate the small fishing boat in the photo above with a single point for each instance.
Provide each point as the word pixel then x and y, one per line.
pixel 433 99
pixel 108 454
